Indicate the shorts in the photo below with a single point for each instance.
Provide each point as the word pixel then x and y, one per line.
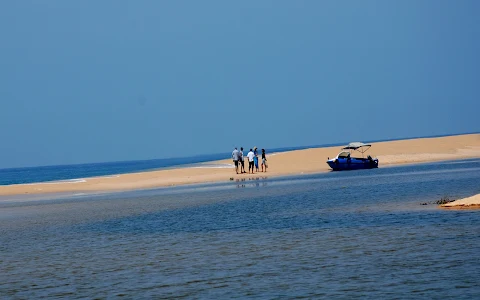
pixel 264 161
pixel 236 163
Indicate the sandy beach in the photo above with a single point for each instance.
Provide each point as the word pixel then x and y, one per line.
pixel 469 202
pixel 297 162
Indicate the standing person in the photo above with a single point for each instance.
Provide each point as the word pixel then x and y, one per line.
pixel 264 160
pixel 250 156
pixel 240 159
pixel 255 158
pixel 235 159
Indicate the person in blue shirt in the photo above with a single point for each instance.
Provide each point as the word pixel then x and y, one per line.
pixel 255 158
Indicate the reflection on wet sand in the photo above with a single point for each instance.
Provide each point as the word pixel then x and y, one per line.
pixel 252 182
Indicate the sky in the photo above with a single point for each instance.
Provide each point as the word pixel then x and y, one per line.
pixel 96 81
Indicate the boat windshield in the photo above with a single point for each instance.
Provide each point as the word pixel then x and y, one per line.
pixel 344 154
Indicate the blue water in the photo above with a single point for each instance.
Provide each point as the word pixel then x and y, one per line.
pixel 356 234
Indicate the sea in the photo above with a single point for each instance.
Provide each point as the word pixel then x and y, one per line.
pixel 371 234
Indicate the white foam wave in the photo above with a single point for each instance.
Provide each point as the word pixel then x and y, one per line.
pixel 76 180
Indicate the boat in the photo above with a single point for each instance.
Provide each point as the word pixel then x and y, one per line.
pixel 344 160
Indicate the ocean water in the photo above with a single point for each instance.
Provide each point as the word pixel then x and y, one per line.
pixel 355 234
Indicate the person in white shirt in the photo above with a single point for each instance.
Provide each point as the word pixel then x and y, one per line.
pixel 250 156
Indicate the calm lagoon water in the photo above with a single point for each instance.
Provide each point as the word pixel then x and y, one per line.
pixel 335 235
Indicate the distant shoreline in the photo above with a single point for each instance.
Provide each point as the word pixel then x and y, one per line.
pixel 296 162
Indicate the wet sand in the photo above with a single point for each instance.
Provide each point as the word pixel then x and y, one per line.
pixel 297 162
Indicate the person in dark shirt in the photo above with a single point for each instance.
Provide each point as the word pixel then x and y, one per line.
pixel 240 160
pixel 264 160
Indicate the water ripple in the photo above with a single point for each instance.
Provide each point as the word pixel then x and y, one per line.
pixel 331 235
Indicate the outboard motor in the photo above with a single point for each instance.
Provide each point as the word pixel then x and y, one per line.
pixel 371 161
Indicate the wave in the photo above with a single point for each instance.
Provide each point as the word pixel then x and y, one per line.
pixel 76 180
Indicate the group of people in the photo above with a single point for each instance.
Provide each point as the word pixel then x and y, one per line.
pixel 252 160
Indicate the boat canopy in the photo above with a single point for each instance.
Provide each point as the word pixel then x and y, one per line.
pixel 357 145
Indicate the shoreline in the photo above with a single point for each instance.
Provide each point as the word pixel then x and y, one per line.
pixel 289 163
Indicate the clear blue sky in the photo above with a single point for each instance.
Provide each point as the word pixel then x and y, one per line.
pixel 91 81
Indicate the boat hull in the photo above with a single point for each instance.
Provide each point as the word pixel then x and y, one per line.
pixel 341 164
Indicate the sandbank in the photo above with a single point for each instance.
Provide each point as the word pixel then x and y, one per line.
pixel 296 162
pixel 469 202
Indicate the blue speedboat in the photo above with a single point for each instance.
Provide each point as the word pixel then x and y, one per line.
pixel 344 160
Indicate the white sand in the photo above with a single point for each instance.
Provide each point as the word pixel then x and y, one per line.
pixel 470 202
pixel 297 162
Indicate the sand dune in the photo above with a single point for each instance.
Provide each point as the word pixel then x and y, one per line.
pixel 286 163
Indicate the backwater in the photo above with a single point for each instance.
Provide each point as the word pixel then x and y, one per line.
pixel 340 234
